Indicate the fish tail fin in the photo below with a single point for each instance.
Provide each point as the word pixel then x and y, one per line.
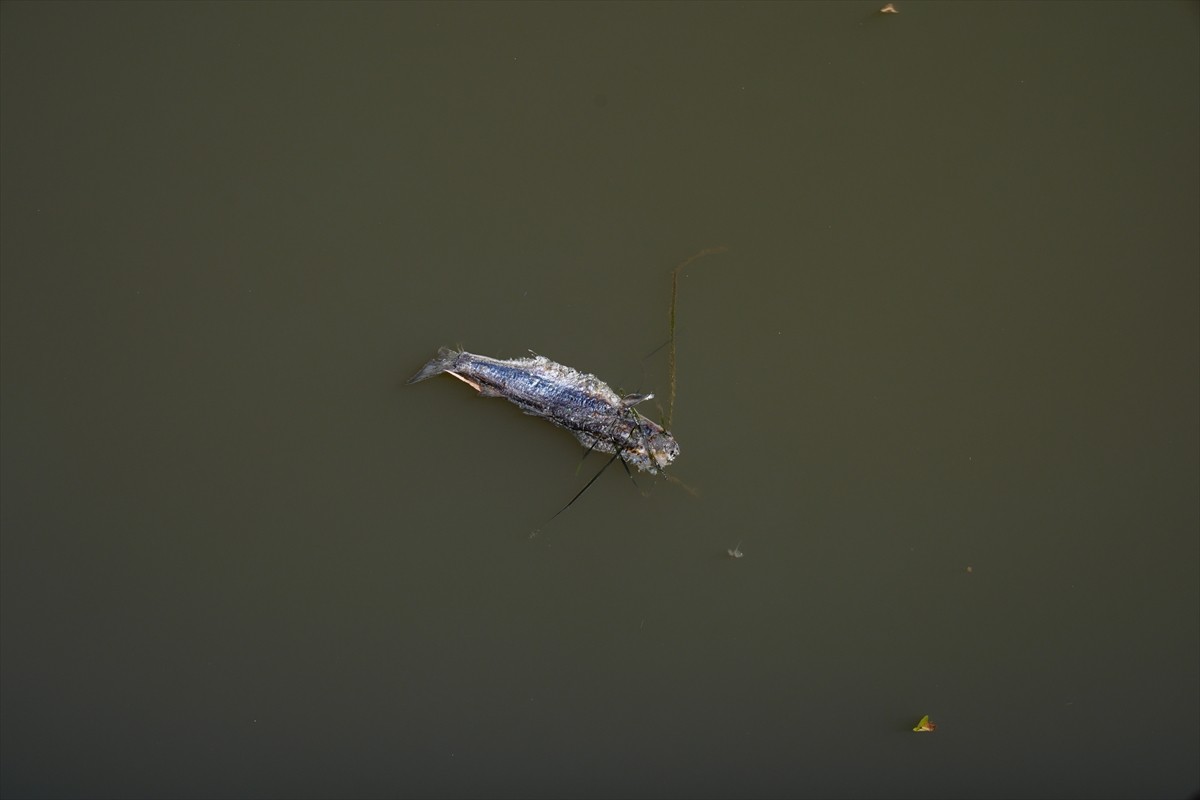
pixel 445 359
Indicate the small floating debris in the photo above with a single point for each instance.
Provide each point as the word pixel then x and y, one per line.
pixel 925 726
pixel 889 9
pixel 736 552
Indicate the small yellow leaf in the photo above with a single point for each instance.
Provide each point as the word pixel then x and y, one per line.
pixel 925 726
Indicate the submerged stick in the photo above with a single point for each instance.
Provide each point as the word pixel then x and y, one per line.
pixel 671 337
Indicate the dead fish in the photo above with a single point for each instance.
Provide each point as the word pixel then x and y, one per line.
pixel 577 401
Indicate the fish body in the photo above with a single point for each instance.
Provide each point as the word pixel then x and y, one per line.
pixel 577 401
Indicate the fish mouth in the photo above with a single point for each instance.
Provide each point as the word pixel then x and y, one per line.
pixel 663 457
pixel 662 450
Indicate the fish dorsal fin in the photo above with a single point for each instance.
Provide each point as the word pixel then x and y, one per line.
pixel 633 399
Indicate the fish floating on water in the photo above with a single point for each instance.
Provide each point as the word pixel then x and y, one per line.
pixel 580 402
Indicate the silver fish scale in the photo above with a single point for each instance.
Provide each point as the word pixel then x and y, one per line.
pixel 539 378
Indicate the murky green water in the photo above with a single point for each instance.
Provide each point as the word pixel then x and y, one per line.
pixel 942 392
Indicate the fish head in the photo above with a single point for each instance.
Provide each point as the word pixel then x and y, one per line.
pixel 657 446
